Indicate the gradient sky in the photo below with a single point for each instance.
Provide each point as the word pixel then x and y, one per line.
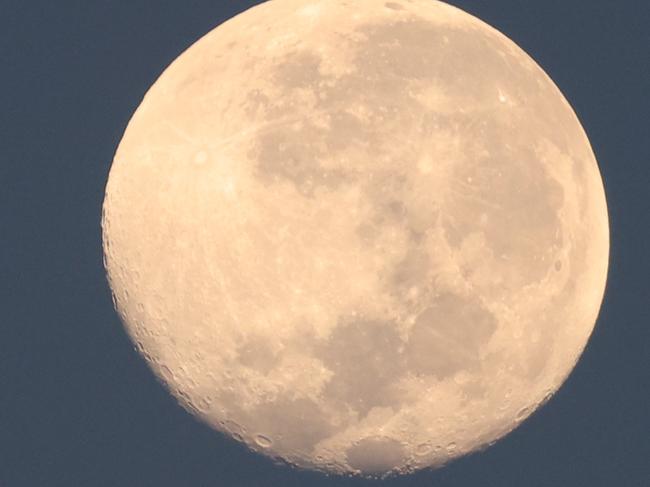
pixel 78 407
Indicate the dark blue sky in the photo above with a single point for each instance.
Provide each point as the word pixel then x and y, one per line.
pixel 78 407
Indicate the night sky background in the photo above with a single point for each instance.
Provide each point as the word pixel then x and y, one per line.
pixel 80 408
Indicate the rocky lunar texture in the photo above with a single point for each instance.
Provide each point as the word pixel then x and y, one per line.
pixel 361 237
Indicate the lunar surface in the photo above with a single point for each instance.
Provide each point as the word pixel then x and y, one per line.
pixel 362 237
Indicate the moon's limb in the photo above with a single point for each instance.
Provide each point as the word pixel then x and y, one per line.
pixel 364 238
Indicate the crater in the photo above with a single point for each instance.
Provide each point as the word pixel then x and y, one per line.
pixel 376 455
pixel 393 6
pixel 263 441
pixel 200 158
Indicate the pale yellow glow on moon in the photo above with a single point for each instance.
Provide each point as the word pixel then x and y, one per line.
pixel 359 236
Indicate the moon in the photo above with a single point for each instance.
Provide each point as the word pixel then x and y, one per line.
pixel 360 237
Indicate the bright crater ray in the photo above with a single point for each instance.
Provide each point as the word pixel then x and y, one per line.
pixel 361 237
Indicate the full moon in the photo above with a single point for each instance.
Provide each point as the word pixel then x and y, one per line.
pixel 361 237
